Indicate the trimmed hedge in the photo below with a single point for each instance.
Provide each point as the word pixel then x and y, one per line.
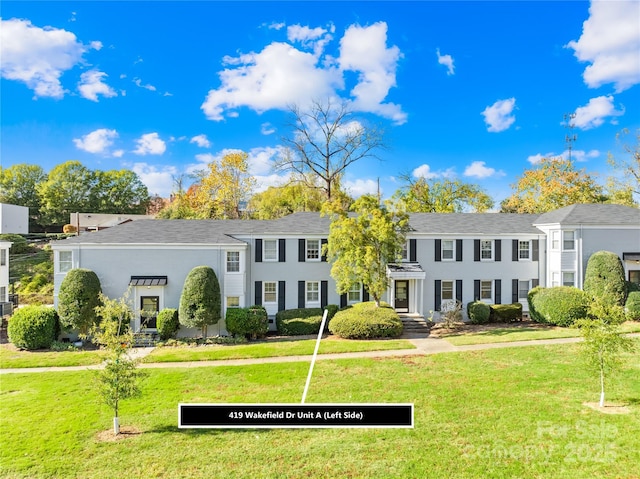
pixel 200 301
pixel 33 327
pixel 632 306
pixel 478 312
pixel 505 313
pixel 167 323
pixel 533 313
pixel 604 277
pixel 249 322
pixel 292 322
pixel 366 321
pixel 560 305
pixel 78 299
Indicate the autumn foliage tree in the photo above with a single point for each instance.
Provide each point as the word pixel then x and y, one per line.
pixel 443 196
pixel 552 184
pixel 360 246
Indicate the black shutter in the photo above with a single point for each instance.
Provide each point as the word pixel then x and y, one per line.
pixel 365 294
pixel 459 290
pixel 323 254
pixel 459 250
pixel 282 250
pixel 302 250
pixel 301 293
pixel 514 291
pixel 413 250
pixel 258 293
pixel 258 251
pixel 476 250
pixel 536 250
pixel 438 251
pixel 282 303
pixel 476 289
pixel 437 294
pixel 343 300
pixel 498 245
pixel 498 294
pixel 534 283
pixel 514 250
pixel 324 293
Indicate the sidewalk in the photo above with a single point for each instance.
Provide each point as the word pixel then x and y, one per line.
pixel 424 346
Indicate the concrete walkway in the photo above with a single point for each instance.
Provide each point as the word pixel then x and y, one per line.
pixel 424 346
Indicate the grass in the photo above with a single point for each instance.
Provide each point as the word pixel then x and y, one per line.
pixel 520 333
pixel 12 358
pixel 501 413
pixel 271 348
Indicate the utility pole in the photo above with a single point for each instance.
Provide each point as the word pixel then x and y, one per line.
pixel 571 137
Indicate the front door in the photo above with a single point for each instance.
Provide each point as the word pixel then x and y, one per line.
pixel 402 295
pixel 149 307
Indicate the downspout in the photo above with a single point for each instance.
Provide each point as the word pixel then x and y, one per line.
pixel 580 261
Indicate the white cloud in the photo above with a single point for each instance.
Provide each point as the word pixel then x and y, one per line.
pixel 91 85
pixel 424 171
pixel 581 155
pixel 118 153
pixel 538 157
pixel 480 170
pixel 281 74
pixel 201 140
pixel 150 144
pixel 446 60
pixel 159 181
pixel 498 116
pixel 38 56
pixel 97 141
pixel 594 113
pixel 364 50
pixel 147 86
pixel 361 187
pixel 267 129
pixel 261 160
pixel 610 42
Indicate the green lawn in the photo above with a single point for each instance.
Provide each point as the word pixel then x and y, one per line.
pixel 521 333
pixel 500 413
pixel 11 358
pixel 271 348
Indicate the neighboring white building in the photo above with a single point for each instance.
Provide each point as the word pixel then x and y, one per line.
pixel 4 276
pixel 493 257
pixel 14 219
pixel 99 221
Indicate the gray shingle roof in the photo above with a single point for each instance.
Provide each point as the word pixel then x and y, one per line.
pixel 226 231
pixel 592 214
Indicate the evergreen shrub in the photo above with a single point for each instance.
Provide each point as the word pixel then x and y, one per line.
pixel 632 306
pixel 505 313
pixel 167 323
pixel 478 312
pixel 249 322
pixel 366 321
pixel 561 305
pixel 33 327
pixel 604 277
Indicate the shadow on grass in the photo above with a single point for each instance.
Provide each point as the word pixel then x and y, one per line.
pixel 199 431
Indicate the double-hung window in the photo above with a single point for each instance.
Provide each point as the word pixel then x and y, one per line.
pixel 486 250
pixel 447 290
pixel 233 261
pixel 523 289
pixel 569 240
pixel 448 249
pixel 354 294
pixel 486 290
pixel 270 252
pixel 64 261
pixel 404 255
pixel 555 239
pixel 270 292
pixel 313 292
pixel 524 250
pixel 313 250
pixel 233 301
pixel 568 278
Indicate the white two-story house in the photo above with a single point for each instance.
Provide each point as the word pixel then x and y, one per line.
pixel 279 264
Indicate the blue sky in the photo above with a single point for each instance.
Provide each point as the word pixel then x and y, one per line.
pixel 470 90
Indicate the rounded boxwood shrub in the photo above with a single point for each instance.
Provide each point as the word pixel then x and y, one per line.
pixel 533 314
pixel 366 321
pixel 505 313
pixel 561 305
pixel 292 322
pixel 604 277
pixel 478 312
pixel 632 306
pixel 249 322
pixel 167 323
pixel 33 327
pixel 78 299
pixel 200 301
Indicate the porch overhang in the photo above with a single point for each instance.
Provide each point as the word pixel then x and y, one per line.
pixel 631 257
pixel 405 271
pixel 148 281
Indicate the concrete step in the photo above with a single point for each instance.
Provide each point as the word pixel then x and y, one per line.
pixel 415 324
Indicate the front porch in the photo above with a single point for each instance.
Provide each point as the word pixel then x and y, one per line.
pixel 406 288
